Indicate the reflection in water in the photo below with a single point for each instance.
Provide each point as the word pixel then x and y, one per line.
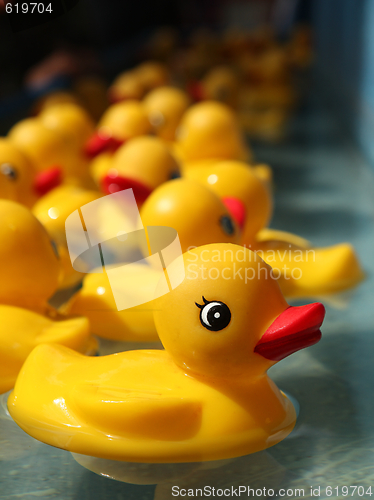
pixel 258 470
pixel 14 442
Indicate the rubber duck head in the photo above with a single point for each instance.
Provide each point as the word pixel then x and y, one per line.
pixel 245 194
pixel 165 107
pixel 141 164
pixel 152 74
pixel 17 175
pixel 42 145
pixel 72 121
pixel 193 210
pixel 210 130
pixel 228 318
pixel 121 122
pixel 221 84
pixel 29 264
pixel 126 86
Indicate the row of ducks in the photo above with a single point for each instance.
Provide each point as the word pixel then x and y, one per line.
pixel 223 332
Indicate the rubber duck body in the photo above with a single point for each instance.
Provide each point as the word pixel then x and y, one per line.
pixel 220 336
pixel 30 271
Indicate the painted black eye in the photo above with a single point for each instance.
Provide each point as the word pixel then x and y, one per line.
pixel 227 224
pixel 55 249
pixel 9 171
pixel 175 175
pixel 215 315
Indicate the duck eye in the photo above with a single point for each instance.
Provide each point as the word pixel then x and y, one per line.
pixel 227 225
pixel 175 175
pixel 215 315
pixel 9 171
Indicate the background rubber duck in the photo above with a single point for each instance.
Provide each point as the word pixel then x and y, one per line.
pixel 142 164
pixel 17 175
pixel 45 148
pixel 223 333
pixel 52 211
pixel 30 270
pixel 120 122
pixel 76 126
pixel 209 131
pixel 165 107
pixel 303 270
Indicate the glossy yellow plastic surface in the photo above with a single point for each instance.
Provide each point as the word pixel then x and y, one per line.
pixel 303 270
pixel 30 271
pixel 234 179
pixel 193 210
pixel 306 272
pixel 42 145
pixel 52 211
pixel 146 160
pixel 206 397
pixel 17 175
pixel 165 107
pixel 95 301
pixel 125 120
pixel 210 130
pixel 127 85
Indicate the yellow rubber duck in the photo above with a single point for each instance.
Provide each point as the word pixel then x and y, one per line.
pixel 52 210
pixel 120 122
pixel 76 126
pixel 209 130
pixel 204 220
pixel 243 191
pixel 221 334
pixel 17 175
pixel 165 107
pixel 152 74
pixel 44 148
pixel 303 270
pixel 126 86
pixel 142 164
pixel 30 271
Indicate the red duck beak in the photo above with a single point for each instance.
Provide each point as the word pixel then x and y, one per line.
pixel 98 143
pixel 114 183
pixel 295 329
pixel 47 180
pixel 196 91
pixel 237 210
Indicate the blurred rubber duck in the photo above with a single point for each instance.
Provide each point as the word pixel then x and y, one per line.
pixel 152 74
pixel 142 164
pixel 44 148
pixel 127 86
pixel 52 211
pixel 221 335
pixel 209 131
pixel 303 270
pixel 30 270
pixel 76 126
pixel 220 84
pixel 120 122
pixel 165 107
pixel 19 181
pixel 201 221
